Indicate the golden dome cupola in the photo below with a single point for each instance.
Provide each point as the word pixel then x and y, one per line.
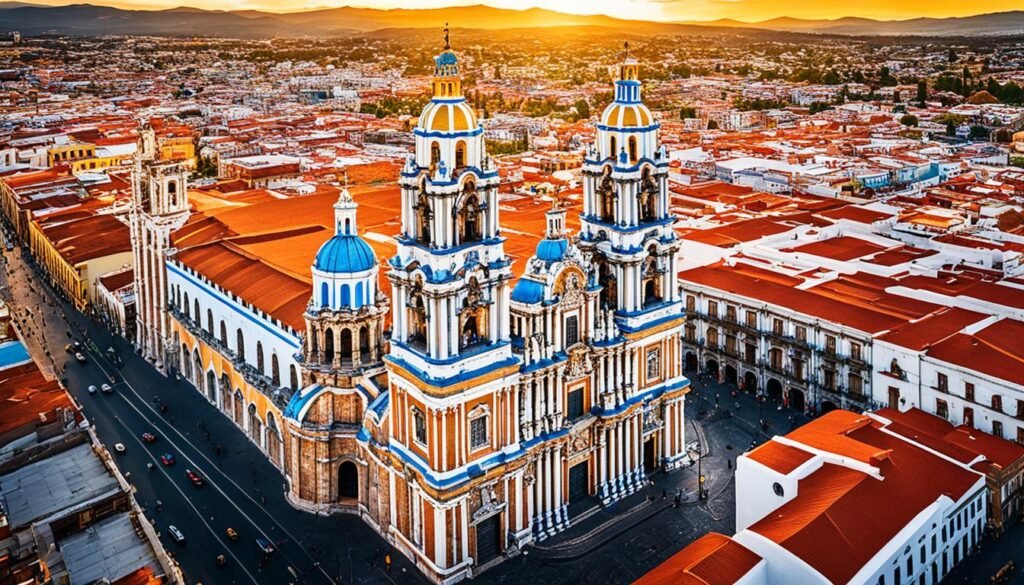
pixel 627 131
pixel 447 81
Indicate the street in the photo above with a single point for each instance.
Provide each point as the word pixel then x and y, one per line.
pixel 241 490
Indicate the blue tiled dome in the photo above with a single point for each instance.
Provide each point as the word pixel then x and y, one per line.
pixel 446 58
pixel 345 253
pixel 552 250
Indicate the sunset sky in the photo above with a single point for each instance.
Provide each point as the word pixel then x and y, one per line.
pixel 670 10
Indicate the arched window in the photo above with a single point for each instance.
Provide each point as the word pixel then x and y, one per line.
pixel 357 301
pixel 346 347
pixel 328 345
pixel 418 317
pixel 460 154
pixel 240 345
pixel 197 315
pixel 186 308
pixel 364 340
pixel 632 149
pixel 223 334
pixel 348 226
pixel 470 218
pixel 325 295
pixel 423 218
pixel 275 370
pixel 652 279
pixel 346 296
pixel 209 321
pixel 435 153
pixel 293 377
pixel 613 150
pixel 259 357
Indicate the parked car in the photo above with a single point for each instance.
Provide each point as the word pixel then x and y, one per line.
pixel 176 534
pixel 80 357
pixel 194 478
pixel 119 447
pixel 68 348
pixel 106 389
pixel 167 459
pixel 92 389
pixel 232 534
pixel 149 437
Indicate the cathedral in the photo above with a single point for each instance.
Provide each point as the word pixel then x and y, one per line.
pixel 476 409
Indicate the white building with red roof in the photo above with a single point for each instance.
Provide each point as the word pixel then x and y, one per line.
pixel 847 498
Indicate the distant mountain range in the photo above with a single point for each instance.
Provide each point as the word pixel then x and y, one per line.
pixel 89 20
pixel 994 24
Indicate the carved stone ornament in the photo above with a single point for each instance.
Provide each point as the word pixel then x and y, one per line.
pixel 579 365
pixel 578 442
pixel 489 504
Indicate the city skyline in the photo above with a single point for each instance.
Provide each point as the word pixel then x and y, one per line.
pixel 687 11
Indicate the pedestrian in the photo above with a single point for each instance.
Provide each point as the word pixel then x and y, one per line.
pixel 387 562
pixel 729 463
pixel 664 494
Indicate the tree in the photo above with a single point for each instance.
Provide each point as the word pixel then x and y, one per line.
pixel 687 112
pixel 896 97
pixel 979 132
pixel 951 56
pixel 908 120
pixel 582 109
pixel 885 78
pixel 922 91
pixel 831 78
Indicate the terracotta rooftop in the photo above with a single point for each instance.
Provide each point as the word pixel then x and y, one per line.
pixel 713 559
pixel 825 524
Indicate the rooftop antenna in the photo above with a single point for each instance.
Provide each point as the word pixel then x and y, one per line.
pixel 447 44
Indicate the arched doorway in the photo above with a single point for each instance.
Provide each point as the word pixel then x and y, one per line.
pixel 711 367
pixel 796 399
pixel 691 361
pixel 255 426
pixel 238 406
pixel 348 481
pixel 225 393
pixel 774 390
pixel 828 406
pixel 750 383
pixel 211 387
pixel 274 440
pixel 731 375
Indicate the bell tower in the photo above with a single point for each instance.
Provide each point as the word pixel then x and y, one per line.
pixel 451 370
pixel 159 207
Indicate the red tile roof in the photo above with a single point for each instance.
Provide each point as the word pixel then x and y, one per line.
pixel 826 526
pixel 713 559
pixel 779 456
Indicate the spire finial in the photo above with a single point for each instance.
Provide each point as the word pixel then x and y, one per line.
pixel 447 44
pixel 625 47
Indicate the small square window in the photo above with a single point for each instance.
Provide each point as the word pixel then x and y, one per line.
pixel 419 424
pixel 478 433
pixel 653 364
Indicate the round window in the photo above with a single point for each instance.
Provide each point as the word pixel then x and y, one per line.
pixel 777 488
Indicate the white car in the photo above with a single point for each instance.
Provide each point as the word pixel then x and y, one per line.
pixel 176 534
pixel 92 389
pixel 106 389
pixel 119 447
pixel 80 357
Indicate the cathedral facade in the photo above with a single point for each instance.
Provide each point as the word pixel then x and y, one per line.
pixel 494 411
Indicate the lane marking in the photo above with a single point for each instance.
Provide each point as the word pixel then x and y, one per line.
pixel 225 476
pixel 188 500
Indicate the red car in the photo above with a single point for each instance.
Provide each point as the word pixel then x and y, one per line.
pixel 149 437
pixel 167 459
pixel 194 478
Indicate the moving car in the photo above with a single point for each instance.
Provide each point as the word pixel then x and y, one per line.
pixel 106 389
pixel 167 459
pixel 149 437
pixel 80 357
pixel 92 389
pixel 232 534
pixel 176 534
pixel 119 447
pixel 265 545
pixel 194 478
